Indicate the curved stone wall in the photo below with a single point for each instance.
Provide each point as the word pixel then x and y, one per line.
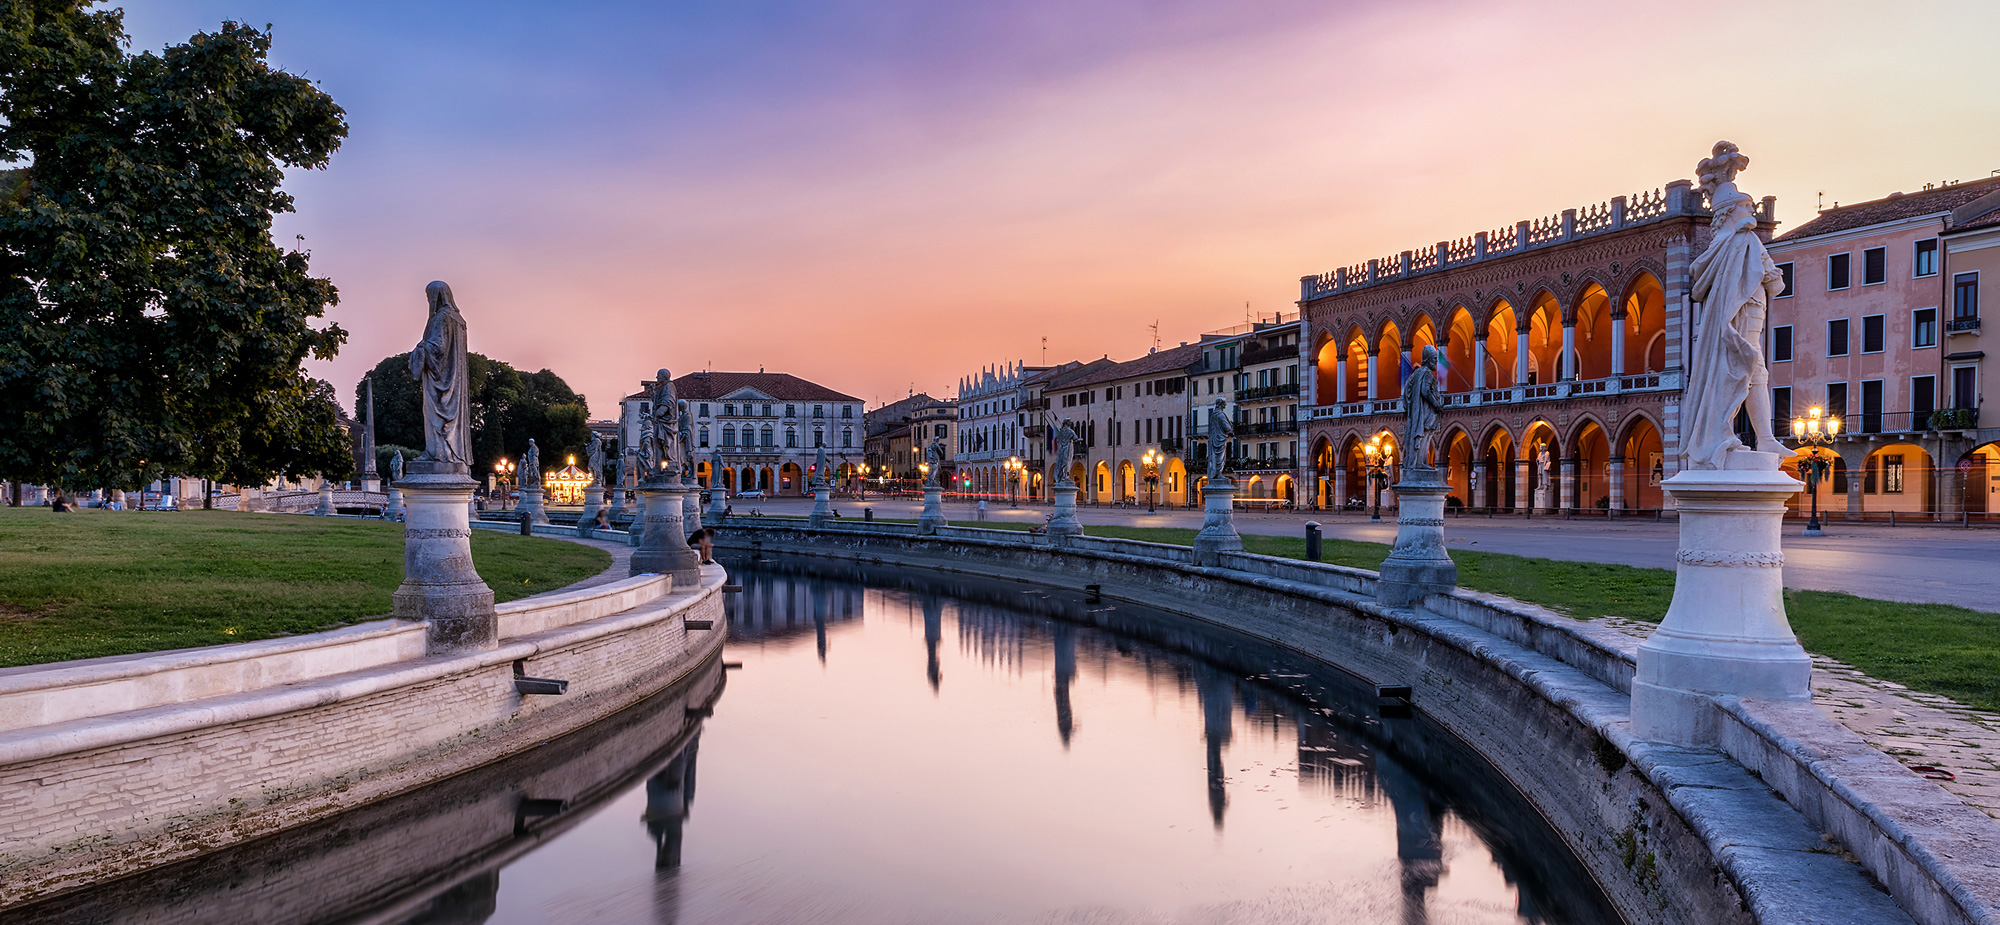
pixel 96 796
pixel 1775 830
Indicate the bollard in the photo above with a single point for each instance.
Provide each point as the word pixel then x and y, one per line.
pixel 867 513
pixel 1312 540
pixel 527 525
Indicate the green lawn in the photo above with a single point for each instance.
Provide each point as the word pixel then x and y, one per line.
pixel 108 583
pixel 1929 647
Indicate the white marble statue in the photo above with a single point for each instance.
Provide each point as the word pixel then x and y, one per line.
pixel 1733 280
pixel 1065 457
pixel 531 466
pixel 438 365
pixel 1422 400
pixel 594 451
pixel 1221 430
pixel 934 455
pixel 664 435
pixel 396 467
pixel 820 475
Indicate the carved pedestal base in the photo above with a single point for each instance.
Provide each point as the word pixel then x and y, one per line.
pixel 395 509
pixel 663 548
pixel 933 516
pixel 1418 565
pixel 718 501
pixel 821 510
pixel 1725 634
pixel 690 508
pixel 531 506
pixel 593 501
pixel 440 585
pixel 325 508
pixel 1062 524
pixel 1218 523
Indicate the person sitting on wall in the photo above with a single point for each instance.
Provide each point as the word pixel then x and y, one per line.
pixel 603 521
pixel 703 540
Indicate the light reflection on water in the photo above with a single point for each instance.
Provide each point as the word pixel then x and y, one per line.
pixel 906 749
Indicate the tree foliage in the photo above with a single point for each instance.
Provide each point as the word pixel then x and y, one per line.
pixel 153 326
pixel 508 407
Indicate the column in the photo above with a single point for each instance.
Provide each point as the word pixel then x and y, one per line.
pixel 1340 380
pixel 1374 381
pixel 1479 362
pixel 1614 470
pixel 1339 499
pixel 1521 357
pixel 1567 488
pixel 1523 497
pixel 1475 480
pixel 1618 346
pixel 1567 372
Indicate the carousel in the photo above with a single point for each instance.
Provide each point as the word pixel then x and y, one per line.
pixel 566 485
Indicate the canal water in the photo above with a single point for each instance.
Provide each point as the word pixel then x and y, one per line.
pixel 902 747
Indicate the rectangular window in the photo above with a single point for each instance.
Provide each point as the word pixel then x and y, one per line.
pixel 791 438
pixel 1836 400
pixel 729 411
pixel 1868 470
pixel 1965 387
pixel 1781 409
pixel 1924 262
pixel 704 409
pixel 1874 266
pixel 1836 337
pixel 1871 406
pixel 1923 327
pixel 1923 400
pixel 1786 270
pixel 1892 473
pixel 1871 334
pixel 1781 343
pixel 1838 268
pixel 1964 296
pixel 704 438
pixel 729 436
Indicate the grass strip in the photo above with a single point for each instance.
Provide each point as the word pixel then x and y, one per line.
pixel 99 583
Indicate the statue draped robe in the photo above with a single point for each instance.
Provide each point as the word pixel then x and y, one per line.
pixel 1420 415
pixel 1733 281
pixel 438 365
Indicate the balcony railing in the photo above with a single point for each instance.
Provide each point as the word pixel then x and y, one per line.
pixel 1961 325
pixel 1263 392
pixel 1553 391
pixel 1267 427
pixel 1253 357
pixel 1264 464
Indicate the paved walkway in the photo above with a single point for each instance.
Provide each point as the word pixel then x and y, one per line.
pixel 1919 565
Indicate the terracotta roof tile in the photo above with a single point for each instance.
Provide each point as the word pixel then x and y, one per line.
pixel 1171 360
pixel 1892 208
pixel 711 386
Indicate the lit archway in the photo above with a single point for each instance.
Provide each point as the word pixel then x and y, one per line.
pixel 1458 351
pixel 1496 477
pixel 1388 362
pixel 1644 463
pixel 1591 486
pixel 1544 339
pixel 1593 333
pixel 1502 365
pixel 1645 325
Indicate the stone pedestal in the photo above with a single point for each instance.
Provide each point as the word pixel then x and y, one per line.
pixel 440 585
pixel 1725 634
pixel 821 511
pixel 371 483
pixel 593 501
pixel 635 529
pixel 933 516
pixel 663 548
pixel 1063 525
pixel 325 508
pixel 1418 564
pixel 531 506
pixel 395 509
pixel 718 500
pixel 1218 523
pixel 617 503
pixel 690 508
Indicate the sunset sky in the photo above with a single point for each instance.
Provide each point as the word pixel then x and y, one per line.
pixel 885 195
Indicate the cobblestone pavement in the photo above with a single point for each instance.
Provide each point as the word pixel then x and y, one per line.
pixel 1915 728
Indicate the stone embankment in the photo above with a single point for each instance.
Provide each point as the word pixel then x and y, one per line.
pixel 1795 819
pixel 113 765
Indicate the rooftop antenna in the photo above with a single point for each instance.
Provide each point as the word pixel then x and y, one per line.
pixel 1246 313
pixel 1155 328
pixel 1045 351
pixel 1821 205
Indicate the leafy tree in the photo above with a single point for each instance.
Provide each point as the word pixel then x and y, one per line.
pixel 508 407
pixel 153 326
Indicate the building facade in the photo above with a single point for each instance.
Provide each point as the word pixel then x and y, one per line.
pixel 1971 245
pixel 1000 425
pixel 1258 370
pixel 1124 414
pixel 1862 331
pixel 770 428
pixel 1562 341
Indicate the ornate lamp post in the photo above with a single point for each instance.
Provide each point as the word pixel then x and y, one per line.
pixel 1151 460
pixel 1013 467
pixel 1814 432
pixel 504 473
pixel 1379 457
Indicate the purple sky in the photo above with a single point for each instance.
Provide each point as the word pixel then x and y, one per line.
pixel 885 195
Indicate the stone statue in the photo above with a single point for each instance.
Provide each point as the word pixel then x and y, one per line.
pixel 1220 431
pixel 594 451
pixel 1065 434
pixel 531 466
pixel 396 467
pixel 819 467
pixel 686 432
pixel 934 455
pixel 665 433
pixel 715 467
pixel 1733 280
pixel 438 365
pixel 1422 400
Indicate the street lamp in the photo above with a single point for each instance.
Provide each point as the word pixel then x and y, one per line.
pixel 1815 431
pixel 1152 460
pixel 505 471
pixel 1013 467
pixel 1379 456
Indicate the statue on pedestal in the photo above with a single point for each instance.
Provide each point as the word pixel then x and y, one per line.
pixel 819 468
pixel 594 451
pixel 396 467
pixel 1422 400
pixel 934 455
pixel 1734 280
pixel 438 365
pixel 1221 431
pixel 664 436
pixel 1065 457
pixel 686 435
pixel 531 466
